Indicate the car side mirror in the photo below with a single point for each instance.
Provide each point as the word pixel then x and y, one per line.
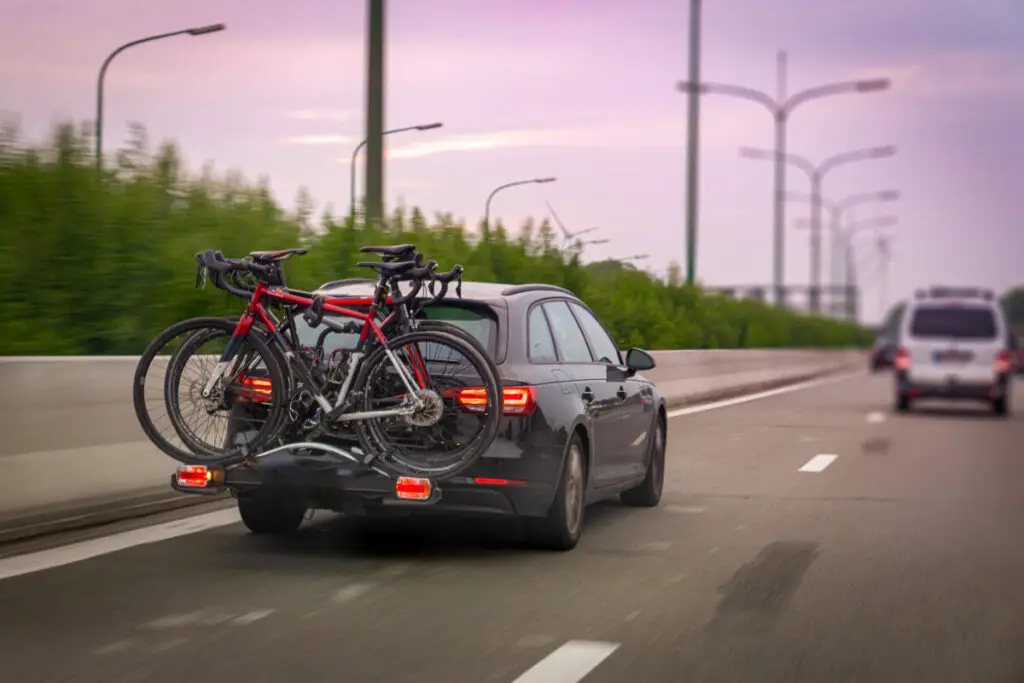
pixel 638 360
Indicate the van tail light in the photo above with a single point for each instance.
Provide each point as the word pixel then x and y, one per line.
pixel 1004 362
pixel 901 359
pixel 254 389
pixel 515 400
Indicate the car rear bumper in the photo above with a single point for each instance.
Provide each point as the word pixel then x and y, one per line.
pixel 491 489
pixel 968 389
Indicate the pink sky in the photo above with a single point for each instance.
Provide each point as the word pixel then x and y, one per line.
pixel 582 90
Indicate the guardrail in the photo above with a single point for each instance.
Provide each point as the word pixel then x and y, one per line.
pixel 70 436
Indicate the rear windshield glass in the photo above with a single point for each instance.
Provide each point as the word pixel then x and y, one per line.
pixel 478 321
pixel 968 322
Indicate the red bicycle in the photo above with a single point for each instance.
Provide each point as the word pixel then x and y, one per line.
pixel 394 390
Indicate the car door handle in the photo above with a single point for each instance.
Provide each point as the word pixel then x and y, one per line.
pixel 587 395
pixel 621 393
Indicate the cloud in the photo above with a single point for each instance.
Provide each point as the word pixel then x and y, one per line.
pixel 318 140
pixel 336 115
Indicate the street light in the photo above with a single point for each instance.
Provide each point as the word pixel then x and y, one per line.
pixel 197 31
pixel 359 147
pixel 837 211
pixel 635 257
pixel 781 107
pixel 817 174
pixel 850 266
pixel 487 206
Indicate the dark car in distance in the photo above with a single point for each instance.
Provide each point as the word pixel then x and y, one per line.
pixel 883 353
pixel 580 424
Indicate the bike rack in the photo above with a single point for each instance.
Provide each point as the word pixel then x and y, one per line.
pixel 337 452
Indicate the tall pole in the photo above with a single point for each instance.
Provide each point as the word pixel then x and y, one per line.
pixel 693 138
pixel 781 114
pixel 101 79
pixel 374 182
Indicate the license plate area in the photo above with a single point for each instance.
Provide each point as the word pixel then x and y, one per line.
pixel 952 357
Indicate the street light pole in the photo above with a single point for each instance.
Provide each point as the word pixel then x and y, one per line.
pixel 375 76
pixel 816 174
pixel 198 31
pixel 487 206
pixel 837 210
pixel 847 241
pixel 359 147
pixel 781 107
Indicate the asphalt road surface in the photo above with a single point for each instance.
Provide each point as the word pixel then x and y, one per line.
pixel 810 536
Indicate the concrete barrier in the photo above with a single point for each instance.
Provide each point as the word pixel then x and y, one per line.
pixel 70 436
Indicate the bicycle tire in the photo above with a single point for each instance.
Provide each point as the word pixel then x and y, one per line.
pixel 367 431
pixel 275 419
pixel 194 326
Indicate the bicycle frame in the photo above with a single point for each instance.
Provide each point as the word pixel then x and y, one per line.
pixel 371 331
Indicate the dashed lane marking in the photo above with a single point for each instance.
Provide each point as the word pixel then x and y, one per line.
pixel 818 463
pixel 569 663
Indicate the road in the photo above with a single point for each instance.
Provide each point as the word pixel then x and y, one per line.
pixel 900 559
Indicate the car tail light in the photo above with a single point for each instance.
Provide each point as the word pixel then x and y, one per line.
pixel 1004 361
pixel 257 389
pixel 198 476
pixel 412 488
pixel 901 359
pixel 515 400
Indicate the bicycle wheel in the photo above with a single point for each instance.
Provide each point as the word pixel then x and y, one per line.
pixel 461 410
pixel 450 328
pixel 245 410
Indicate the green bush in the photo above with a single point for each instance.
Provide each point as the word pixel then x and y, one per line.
pixel 94 264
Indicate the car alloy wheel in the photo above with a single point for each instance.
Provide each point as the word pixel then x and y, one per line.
pixel 574 487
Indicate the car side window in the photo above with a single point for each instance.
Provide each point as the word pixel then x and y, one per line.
pixel 568 335
pixel 542 345
pixel 603 346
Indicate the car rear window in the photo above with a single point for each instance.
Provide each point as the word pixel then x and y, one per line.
pixel 956 322
pixel 476 320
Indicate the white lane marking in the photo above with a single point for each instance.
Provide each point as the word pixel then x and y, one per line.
pixel 76 552
pixel 656 545
pixel 569 663
pixel 249 618
pixel 685 509
pixel 351 592
pixel 818 463
pixel 704 407
pixel 875 418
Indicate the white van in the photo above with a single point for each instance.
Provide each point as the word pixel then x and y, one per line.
pixel 953 345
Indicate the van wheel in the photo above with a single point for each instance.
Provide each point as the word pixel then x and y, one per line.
pixel 562 527
pixel 272 515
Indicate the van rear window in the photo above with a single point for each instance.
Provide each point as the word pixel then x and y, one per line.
pixel 954 322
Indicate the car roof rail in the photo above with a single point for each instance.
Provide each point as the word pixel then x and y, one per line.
pixel 349 281
pixel 522 289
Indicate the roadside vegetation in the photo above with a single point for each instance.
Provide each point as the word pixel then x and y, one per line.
pixel 98 265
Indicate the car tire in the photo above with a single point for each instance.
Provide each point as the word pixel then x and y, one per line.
pixel 648 493
pixel 562 527
pixel 902 403
pixel 1001 406
pixel 270 515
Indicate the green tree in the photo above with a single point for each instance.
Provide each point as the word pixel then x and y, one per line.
pixel 99 264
